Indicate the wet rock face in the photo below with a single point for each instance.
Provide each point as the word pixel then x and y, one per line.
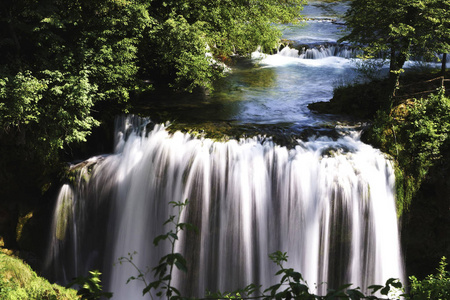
pixel 427 224
pixel 4 222
pixel 287 134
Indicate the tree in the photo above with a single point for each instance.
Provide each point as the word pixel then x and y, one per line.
pixel 70 55
pixel 187 35
pixel 60 61
pixel 420 27
pixel 433 30
pixel 383 26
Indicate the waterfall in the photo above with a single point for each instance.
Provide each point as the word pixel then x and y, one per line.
pixel 328 203
pixel 319 52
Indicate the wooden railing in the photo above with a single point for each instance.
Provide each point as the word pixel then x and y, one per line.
pixel 418 91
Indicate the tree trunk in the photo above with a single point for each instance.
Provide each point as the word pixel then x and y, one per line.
pixel 396 65
pixel 394 74
pixel 444 64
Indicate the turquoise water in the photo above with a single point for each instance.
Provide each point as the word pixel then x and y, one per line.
pixel 274 89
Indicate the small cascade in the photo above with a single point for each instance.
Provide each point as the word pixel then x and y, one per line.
pixel 62 257
pixel 319 52
pixel 328 203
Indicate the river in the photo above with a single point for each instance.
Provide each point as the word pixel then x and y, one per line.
pixel 326 199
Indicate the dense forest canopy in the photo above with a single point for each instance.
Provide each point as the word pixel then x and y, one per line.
pixel 401 28
pixel 63 62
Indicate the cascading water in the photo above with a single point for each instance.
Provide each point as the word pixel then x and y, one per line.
pixel 327 202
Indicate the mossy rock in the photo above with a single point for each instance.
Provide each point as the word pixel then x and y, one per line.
pixel 360 100
pixel 18 281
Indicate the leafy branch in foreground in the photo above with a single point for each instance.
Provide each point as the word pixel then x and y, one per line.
pixel 433 286
pixel 90 287
pixel 164 270
pixel 293 286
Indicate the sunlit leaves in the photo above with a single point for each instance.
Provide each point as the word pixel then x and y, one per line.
pixel 176 47
pixel 434 286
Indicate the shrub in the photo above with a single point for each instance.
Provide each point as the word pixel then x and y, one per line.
pixel 434 286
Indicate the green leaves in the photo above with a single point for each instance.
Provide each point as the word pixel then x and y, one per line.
pixel 418 26
pixel 20 96
pixel 164 270
pixel 50 107
pixel 180 48
pixel 90 286
pixel 434 286
pixel 428 130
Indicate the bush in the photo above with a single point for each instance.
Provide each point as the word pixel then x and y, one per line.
pixel 433 286
pixel 417 136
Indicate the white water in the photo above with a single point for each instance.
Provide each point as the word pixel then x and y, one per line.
pixel 328 204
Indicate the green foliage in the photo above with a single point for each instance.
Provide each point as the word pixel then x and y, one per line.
pixel 293 286
pixel 61 62
pixel 47 112
pixel 425 135
pixel 186 34
pixel 399 28
pixel 428 129
pixel 417 138
pixel 178 53
pixel 433 32
pixel 433 286
pixel 90 286
pixel 361 100
pixel 379 26
pixel 19 282
pixel 162 285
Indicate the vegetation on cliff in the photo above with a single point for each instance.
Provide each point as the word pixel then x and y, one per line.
pixel 19 282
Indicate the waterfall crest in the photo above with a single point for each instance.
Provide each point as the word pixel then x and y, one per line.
pixel 328 203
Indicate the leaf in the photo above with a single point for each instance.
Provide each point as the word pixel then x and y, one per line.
pixel 354 294
pixel 375 288
pixel 280 272
pixel 298 288
pixel 188 226
pixel 397 284
pixel 251 288
pixel 173 235
pixel 175 290
pixel 131 278
pixel 278 257
pixel 180 266
pixel 152 285
pixel 160 270
pixel 273 289
pixel 159 238
pixel 385 290
pixel 296 276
